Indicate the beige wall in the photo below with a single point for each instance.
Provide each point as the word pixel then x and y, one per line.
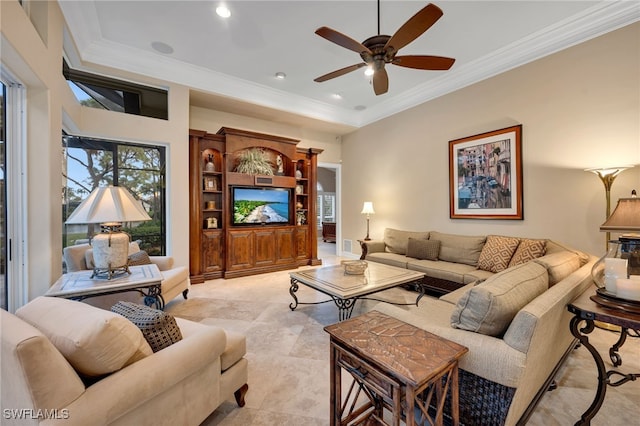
pixel 579 108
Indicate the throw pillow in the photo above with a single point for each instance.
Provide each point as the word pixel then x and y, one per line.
pixel 139 258
pixel 423 249
pixel 94 341
pixel 489 307
pixel 158 328
pixel 528 250
pixel 497 253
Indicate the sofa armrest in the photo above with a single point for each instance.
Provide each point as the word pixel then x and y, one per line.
pixel 371 246
pixel 164 262
pixel 127 389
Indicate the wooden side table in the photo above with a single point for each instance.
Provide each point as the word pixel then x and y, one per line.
pixel 586 311
pixel 394 366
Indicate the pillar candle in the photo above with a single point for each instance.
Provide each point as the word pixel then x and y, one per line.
pixel 614 268
pixel 628 289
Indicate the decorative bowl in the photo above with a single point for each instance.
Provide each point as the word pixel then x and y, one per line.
pixel 354 267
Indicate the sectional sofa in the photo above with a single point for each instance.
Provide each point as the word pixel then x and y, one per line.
pixel 508 306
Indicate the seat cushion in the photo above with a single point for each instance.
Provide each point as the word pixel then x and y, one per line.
pixel 234 350
pixel 497 252
pixel 94 341
pixel 489 307
pixel 158 328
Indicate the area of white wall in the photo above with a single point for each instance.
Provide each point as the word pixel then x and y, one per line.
pixel 579 108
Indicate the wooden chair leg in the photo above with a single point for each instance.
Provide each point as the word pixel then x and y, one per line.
pixel 184 293
pixel 240 393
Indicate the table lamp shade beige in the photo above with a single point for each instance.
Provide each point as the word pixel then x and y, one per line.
pixel 625 217
pixel 109 206
pixel 367 208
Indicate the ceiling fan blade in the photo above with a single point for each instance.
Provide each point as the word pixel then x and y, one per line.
pixel 341 40
pixel 414 27
pixel 423 62
pixel 380 81
pixel 339 72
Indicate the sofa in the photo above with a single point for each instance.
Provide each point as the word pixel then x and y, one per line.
pixel 514 321
pixel 175 280
pixel 69 363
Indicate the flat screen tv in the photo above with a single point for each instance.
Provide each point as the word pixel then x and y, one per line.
pixel 260 206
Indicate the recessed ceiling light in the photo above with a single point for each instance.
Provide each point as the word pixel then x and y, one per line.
pixel 360 107
pixel 161 47
pixel 281 75
pixel 368 71
pixel 337 96
pixel 223 11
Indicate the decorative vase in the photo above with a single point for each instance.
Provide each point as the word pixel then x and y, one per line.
pixel 298 174
pixel 210 166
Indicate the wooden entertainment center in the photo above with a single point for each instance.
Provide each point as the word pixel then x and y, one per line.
pixel 224 243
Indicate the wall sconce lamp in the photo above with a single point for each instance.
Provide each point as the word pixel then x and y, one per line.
pixel 607 176
pixel 109 207
pixel 367 208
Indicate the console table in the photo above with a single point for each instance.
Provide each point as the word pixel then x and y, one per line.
pixel 589 311
pixel 145 279
pixel 394 366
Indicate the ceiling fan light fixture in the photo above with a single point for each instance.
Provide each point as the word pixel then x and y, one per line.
pixel 223 11
pixel 368 71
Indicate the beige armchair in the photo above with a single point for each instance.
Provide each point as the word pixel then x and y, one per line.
pixel 176 278
pixel 67 363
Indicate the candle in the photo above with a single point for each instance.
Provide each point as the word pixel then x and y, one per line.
pixel 614 268
pixel 628 289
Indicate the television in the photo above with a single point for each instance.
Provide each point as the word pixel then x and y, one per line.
pixel 260 206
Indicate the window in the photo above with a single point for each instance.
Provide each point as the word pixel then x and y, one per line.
pixel 326 208
pixel 90 163
pixel 96 91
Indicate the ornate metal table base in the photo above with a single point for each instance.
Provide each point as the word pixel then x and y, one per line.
pixel 587 312
pixel 345 306
pixel 152 296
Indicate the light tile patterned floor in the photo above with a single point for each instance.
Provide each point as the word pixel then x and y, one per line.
pixel 288 355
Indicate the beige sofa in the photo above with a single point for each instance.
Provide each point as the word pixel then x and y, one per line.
pixel 514 322
pixel 175 278
pixel 69 363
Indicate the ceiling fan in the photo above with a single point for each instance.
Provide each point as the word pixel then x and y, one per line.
pixel 380 49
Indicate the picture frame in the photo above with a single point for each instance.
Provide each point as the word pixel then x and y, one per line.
pixel 485 175
pixel 210 183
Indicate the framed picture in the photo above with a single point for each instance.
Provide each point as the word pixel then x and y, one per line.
pixel 485 175
pixel 210 183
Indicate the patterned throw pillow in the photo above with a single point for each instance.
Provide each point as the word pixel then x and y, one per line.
pixel 423 249
pixel 158 328
pixel 139 258
pixel 528 250
pixel 497 253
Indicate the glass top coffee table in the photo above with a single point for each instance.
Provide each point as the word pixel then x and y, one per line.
pixel 345 289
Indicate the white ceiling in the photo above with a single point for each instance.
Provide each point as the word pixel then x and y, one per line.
pixel 231 64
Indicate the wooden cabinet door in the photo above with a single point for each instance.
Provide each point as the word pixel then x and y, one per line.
pixel 265 247
pixel 285 245
pixel 241 247
pixel 302 237
pixel 212 251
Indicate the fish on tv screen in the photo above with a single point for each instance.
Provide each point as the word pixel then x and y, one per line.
pixel 253 206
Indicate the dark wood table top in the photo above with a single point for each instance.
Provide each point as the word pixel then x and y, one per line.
pixel 409 353
pixel 586 308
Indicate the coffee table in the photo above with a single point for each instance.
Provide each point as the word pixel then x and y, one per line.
pixel 345 289
pixel 145 279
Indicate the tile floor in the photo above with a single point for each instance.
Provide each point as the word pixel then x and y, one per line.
pixel 288 354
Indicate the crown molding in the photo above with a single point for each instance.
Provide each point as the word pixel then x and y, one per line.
pixel 603 17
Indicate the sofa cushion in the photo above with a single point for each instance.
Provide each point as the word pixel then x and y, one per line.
pixel 559 265
pixel 396 241
pixel 139 258
pixel 497 252
pixel 93 340
pixel 459 248
pixel 423 249
pixel 555 247
pixel 449 271
pixel 489 307
pixel 158 328
pixel 528 250
pixel 392 259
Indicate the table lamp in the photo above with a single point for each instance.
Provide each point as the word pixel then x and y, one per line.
pixel 367 208
pixel 109 207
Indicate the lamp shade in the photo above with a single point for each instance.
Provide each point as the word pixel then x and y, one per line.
pixel 110 204
pixel 625 217
pixel 367 208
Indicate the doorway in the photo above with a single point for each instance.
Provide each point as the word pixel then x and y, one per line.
pixel 328 209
